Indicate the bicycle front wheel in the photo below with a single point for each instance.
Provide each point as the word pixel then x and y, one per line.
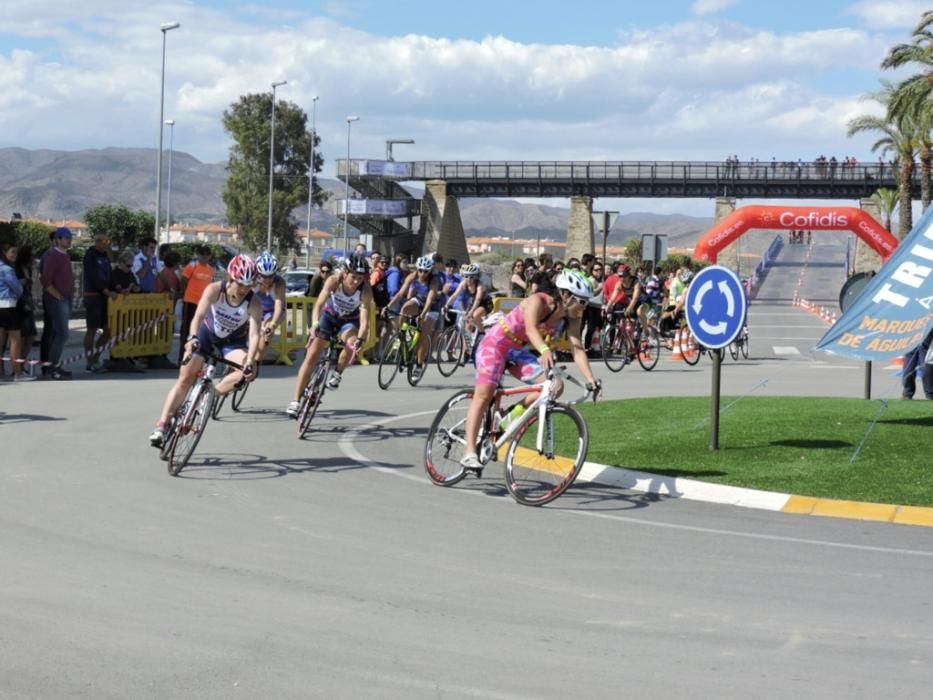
pixel 451 347
pixel 190 427
pixel 536 477
pixel 612 348
pixel 217 405
pixel 311 399
pixel 168 442
pixel 237 399
pixel 446 443
pixel 734 349
pixel 390 362
pixel 744 347
pixel 649 349
pixel 692 350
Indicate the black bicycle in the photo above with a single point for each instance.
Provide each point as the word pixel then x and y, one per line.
pixel 185 428
pixel 740 344
pixel 313 394
pixel 401 350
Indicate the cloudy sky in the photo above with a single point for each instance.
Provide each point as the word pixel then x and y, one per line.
pixel 477 80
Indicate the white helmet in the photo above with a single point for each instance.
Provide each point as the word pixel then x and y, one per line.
pixel 470 270
pixel 574 282
pixel 425 263
pixel 266 264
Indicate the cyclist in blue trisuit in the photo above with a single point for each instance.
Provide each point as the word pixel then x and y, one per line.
pixel 342 309
pixel 471 297
pixel 227 320
pixel 419 294
pixel 270 288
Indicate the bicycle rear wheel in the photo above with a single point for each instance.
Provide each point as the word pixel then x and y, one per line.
pixel 744 347
pixel 451 347
pixel 237 399
pixel 734 349
pixel 390 362
pixel 311 398
pixel 612 348
pixel 649 349
pixel 188 432
pixel 446 442
pixel 692 356
pixel 535 478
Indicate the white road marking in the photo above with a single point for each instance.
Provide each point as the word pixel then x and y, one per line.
pixel 346 446
pixel 785 350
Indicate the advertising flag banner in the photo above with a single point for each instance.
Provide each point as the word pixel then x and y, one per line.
pixel 894 312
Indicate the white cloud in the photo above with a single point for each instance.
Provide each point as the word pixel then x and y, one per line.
pixel 708 7
pixel 889 14
pixel 694 90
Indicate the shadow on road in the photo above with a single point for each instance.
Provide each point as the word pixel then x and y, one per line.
pixel 246 466
pixel 6 418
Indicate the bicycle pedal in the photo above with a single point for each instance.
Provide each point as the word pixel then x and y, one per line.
pixel 477 471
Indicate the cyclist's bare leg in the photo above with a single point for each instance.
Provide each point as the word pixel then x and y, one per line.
pixel 476 318
pixel 307 366
pixel 234 376
pixel 424 341
pixel 349 338
pixel 482 395
pixel 187 375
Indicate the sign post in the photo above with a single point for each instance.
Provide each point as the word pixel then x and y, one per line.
pixel 715 307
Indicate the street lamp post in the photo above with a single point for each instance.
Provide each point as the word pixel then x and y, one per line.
pixel 346 201
pixel 275 84
pixel 311 181
pixel 168 195
pixel 165 29
pixel 391 142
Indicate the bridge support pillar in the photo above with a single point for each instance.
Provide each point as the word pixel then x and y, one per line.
pixel 728 256
pixel 579 228
pixel 441 226
pixel 867 259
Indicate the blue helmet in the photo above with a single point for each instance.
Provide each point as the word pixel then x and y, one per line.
pixel 266 264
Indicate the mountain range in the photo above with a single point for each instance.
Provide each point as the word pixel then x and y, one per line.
pixel 56 185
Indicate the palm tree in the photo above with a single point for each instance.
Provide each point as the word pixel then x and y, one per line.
pixel 886 199
pixel 913 98
pixel 898 136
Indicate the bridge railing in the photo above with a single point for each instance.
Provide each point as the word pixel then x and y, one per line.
pixel 646 170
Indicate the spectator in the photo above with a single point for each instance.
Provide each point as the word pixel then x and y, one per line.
pixel 169 279
pixel 293 263
pixel 146 265
pixel 593 314
pixel 197 274
pixel 122 277
pixel 317 283
pixel 97 290
pixel 915 359
pixel 27 307
pixel 517 284
pixel 11 291
pixel 395 275
pixel 57 285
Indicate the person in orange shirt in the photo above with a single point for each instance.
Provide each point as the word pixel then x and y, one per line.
pixel 196 276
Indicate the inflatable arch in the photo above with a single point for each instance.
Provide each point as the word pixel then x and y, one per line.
pixel 742 219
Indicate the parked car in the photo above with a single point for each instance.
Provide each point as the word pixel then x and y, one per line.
pixel 297 281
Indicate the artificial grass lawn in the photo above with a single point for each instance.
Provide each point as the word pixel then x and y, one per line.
pixel 798 445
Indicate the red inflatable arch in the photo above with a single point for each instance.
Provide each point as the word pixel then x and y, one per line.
pixel 742 219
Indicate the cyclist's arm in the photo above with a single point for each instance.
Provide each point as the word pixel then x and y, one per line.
pixel 574 330
pixel 532 310
pixel 210 293
pixel 330 285
pixel 403 290
pixel 432 293
pixel 455 294
pixel 255 321
pixel 366 303
pixel 636 295
pixel 278 312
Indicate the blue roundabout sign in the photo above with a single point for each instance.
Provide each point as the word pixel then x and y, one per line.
pixel 715 306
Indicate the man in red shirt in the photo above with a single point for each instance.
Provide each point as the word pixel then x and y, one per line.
pixel 57 288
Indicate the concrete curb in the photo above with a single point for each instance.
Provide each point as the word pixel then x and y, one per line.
pixel 674 487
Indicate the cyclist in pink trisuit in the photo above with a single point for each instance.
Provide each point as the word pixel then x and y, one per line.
pixel 505 344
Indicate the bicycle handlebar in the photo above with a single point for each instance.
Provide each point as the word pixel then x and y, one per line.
pixel 561 371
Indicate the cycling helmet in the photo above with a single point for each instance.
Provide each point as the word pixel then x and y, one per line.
pixel 686 276
pixel 575 282
pixel 469 270
pixel 266 264
pixel 425 263
pixel 242 269
pixel 357 264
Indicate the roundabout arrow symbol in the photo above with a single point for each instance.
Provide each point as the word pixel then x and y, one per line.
pixel 698 302
pixel 713 329
pixel 726 291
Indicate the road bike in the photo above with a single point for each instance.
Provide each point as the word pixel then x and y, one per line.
pixel 313 394
pixel 455 345
pixel 545 447
pixel 740 344
pixel 622 340
pixel 187 425
pixel 401 350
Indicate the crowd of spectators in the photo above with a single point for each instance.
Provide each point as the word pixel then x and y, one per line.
pixel 819 167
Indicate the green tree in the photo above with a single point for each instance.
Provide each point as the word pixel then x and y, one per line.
pixel 631 253
pixel 126 228
pixel 912 99
pixel 886 199
pixel 246 193
pixel 898 136
pixel 33 233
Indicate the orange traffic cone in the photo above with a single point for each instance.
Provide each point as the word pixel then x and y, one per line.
pixel 677 352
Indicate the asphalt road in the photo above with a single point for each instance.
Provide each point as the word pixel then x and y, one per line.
pixel 330 567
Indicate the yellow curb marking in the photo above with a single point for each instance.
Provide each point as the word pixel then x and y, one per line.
pixel 904 515
pixel 530 459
